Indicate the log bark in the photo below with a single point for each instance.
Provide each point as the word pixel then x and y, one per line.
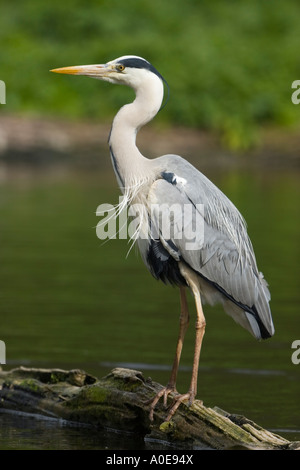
pixel 119 401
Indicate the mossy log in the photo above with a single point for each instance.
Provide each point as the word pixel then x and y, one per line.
pixel 119 401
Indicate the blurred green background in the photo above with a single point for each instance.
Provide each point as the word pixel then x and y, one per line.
pixel 229 64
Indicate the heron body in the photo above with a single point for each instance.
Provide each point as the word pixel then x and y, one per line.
pixel 221 266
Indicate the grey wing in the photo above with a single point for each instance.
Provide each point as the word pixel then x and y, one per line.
pixel 209 234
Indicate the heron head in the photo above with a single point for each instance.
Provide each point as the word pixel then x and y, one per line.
pixel 127 70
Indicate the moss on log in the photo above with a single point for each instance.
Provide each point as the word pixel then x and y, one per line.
pixel 119 401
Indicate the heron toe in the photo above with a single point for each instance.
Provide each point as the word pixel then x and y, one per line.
pixel 164 392
pixel 190 396
pixel 178 399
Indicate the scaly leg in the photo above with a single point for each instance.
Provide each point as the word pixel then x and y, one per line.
pixel 192 280
pixel 171 387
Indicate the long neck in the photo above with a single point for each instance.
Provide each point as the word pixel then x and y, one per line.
pixel 129 164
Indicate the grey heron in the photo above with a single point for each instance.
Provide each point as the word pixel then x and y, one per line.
pixel 221 266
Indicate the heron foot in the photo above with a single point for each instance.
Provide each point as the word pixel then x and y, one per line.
pixel 164 392
pixel 178 399
pixel 189 397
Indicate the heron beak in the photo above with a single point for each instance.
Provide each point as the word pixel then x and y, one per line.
pixel 96 71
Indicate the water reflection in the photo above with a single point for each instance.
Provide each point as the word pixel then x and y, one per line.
pixel 33 432
pixel 67 300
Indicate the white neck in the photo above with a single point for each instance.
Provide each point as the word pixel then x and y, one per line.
pixel 129 164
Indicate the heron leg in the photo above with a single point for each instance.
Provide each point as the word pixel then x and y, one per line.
pixel 193 282
pixel 184 323
pixel 183 326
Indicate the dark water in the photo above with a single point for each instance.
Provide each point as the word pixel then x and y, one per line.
pixel 68 300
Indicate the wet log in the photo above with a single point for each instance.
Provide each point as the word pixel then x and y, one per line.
pixel 119 401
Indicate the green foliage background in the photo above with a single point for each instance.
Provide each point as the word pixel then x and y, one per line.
pixel 229 64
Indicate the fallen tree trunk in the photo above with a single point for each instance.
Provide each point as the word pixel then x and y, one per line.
pixel 119 401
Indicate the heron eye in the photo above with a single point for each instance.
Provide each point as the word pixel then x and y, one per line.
pixel 120 67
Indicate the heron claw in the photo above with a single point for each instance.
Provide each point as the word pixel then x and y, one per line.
pixel 178 399
pixel 164 392
pixel 190 396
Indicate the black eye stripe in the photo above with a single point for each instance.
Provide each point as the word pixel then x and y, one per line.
pixel 141 64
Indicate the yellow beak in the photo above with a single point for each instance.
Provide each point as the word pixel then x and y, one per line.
pixel 97 71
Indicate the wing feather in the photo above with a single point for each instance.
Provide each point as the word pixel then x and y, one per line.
pixel 223 256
